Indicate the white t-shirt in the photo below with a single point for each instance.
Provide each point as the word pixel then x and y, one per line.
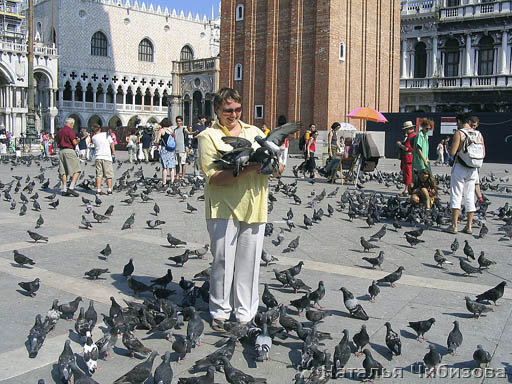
pixel 102 143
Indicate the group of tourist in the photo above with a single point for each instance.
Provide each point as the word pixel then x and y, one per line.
pixel 465 155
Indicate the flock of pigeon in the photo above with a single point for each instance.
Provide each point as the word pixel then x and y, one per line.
pixel 158 310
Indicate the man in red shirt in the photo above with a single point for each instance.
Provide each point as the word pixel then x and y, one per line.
pixel 407 154
pixel 69 164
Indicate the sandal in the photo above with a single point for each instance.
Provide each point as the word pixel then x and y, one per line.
pixel 467 230
pixel 450 229
pixel 218 325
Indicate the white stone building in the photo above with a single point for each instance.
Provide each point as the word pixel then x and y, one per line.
pixel 456 55
pixel 116 59
pixel 14 70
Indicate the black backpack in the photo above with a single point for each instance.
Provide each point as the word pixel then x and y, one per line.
pixel 302 142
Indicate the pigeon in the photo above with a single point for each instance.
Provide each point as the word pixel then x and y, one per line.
pixel 91 355
pixel 163 373
pixel 318 294
pixel 361 339
pixel 432 359
pixel 481 356
pixel 137 286
pixel 54 204
pixel 205 273
pixel 476 308
pixel 307 222
pixel 174 241
pixel 128 268
pixel 440 259
pixel 156 209
pixel 106 252
pixel 22 260
pixel 302 303
pixel 23 210
pixel 454 246
pixel 281 277
pixel 373 291
pixel 268 298
pixel 287 322
pixel 96 272
pixel 392 277
pixel 85 223
pixel 454 338
pixel 213 358
pixel 190 208
pixel 69 309
pixel 468 268
pixel 139 373
pixel 195 328
pixel 316 316
pixel 413 241
pixel 180 260
pixel 371 366
pixel 484 262
pixel 376 261
pixel 200 252
pixel 341 355
pixel 82 326
pixel 39 222
pixel 31 287
pixel 36 337
pixel 208 378
pixel 468 251
pixel 154 223
pixel 367 245
pixel 422 327
pixel 36 206
pixel 297 199
pixel 483 231
pixel 414 233
pixel 86 201
pixel 493 294
pixel 128 224
pixel 107 342
pixel 164 280
pixel 109 210
pixel 66 359
pixel 235 376
pixel 267 258
pixel 99 218
pixel 294 244
pixel 380 234
pixel 280 237
pixel 296 283
pixel 36 236
pixel 263 344
pixel 393 341
pixel 97 200
pixel 91 315
pixel 352 305
pixel 133 344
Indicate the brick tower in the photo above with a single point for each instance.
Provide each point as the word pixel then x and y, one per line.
pixel 311 60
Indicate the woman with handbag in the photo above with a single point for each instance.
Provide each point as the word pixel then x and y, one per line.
pixel 164 140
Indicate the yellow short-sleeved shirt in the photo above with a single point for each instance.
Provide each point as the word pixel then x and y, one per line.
pixel 307 135
pixel 246 198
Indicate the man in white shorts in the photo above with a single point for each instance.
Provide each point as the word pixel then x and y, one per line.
pixel 181 150
pixel 105 149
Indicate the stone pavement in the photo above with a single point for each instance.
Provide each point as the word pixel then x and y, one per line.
pixel 330 250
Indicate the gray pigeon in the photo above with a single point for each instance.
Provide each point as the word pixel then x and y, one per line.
pixel 267 258
pixel 476 308
pixel 128 224
pixel 294 244
pixel 163 373
pixel 454 338
pixel 392 277
pixel 440 259
pixel 85 223
pixel 263 344
pixel 484 262
pixel 421 327
pixel 481 356
pixel 375 261
pixel 367 245
pixel 107 342
pixel 454 246
pixel 195 328
pixel 468 268
pixel 66 359
pixel 432 359
pixel 36 236
pixel 31 287
pixel 235 376
pixel 361 339
pixel 174 242
pixel 39 222
pixel 36 337
pixel 493 294
pixel 373 291
pixel 22 259
pixel 380 234
pixel 341 355
pixel 352 305
pixel 371 366
pixel 208 378
pixel 139 373
pixel 393 341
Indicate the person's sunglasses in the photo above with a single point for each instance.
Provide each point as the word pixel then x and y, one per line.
pixel 231 110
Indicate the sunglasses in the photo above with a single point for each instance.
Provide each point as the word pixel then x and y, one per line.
pixel 231 110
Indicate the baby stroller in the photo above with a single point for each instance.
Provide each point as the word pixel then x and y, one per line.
pixel 365 154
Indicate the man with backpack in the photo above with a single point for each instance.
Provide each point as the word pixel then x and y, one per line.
pixel 468 152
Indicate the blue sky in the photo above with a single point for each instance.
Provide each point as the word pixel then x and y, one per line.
pixel 203 7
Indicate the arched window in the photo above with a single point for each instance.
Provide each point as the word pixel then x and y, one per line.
pixel 486 56
pixel 238 71
pixel 451 60
pixel 146 51
pixel 239 16
pixel 99 44
pixel 186 53
pixel 420 61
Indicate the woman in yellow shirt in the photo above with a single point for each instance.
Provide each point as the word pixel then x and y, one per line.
pixel 236 213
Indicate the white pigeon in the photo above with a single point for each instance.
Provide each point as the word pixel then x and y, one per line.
pixel 91 354
pixel 263 344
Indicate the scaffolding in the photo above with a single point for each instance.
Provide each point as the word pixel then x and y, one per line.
pixel 13 26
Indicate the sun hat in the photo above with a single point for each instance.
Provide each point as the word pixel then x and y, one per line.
pixel 408 124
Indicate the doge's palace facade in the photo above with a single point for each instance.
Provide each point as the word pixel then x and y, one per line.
pixel 116 59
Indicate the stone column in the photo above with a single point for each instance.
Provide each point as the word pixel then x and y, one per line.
pixel 114 101
pixel 83 98
pixel 160 102
pixel 503 53
pixel 151 101
pixel 507 59
pixel 468 57
pixel 52 97
pixel 94 90
pixel 404 59
pixel 73 96
pixel 434 56
pixel 411 64
pixel 124 100
pixel 104 98
pixel 61 97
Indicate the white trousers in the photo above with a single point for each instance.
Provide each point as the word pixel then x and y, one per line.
pixel 236 248
pixel 462 184
pixel 283 156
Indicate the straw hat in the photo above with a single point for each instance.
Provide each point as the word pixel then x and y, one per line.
pixel 408 124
